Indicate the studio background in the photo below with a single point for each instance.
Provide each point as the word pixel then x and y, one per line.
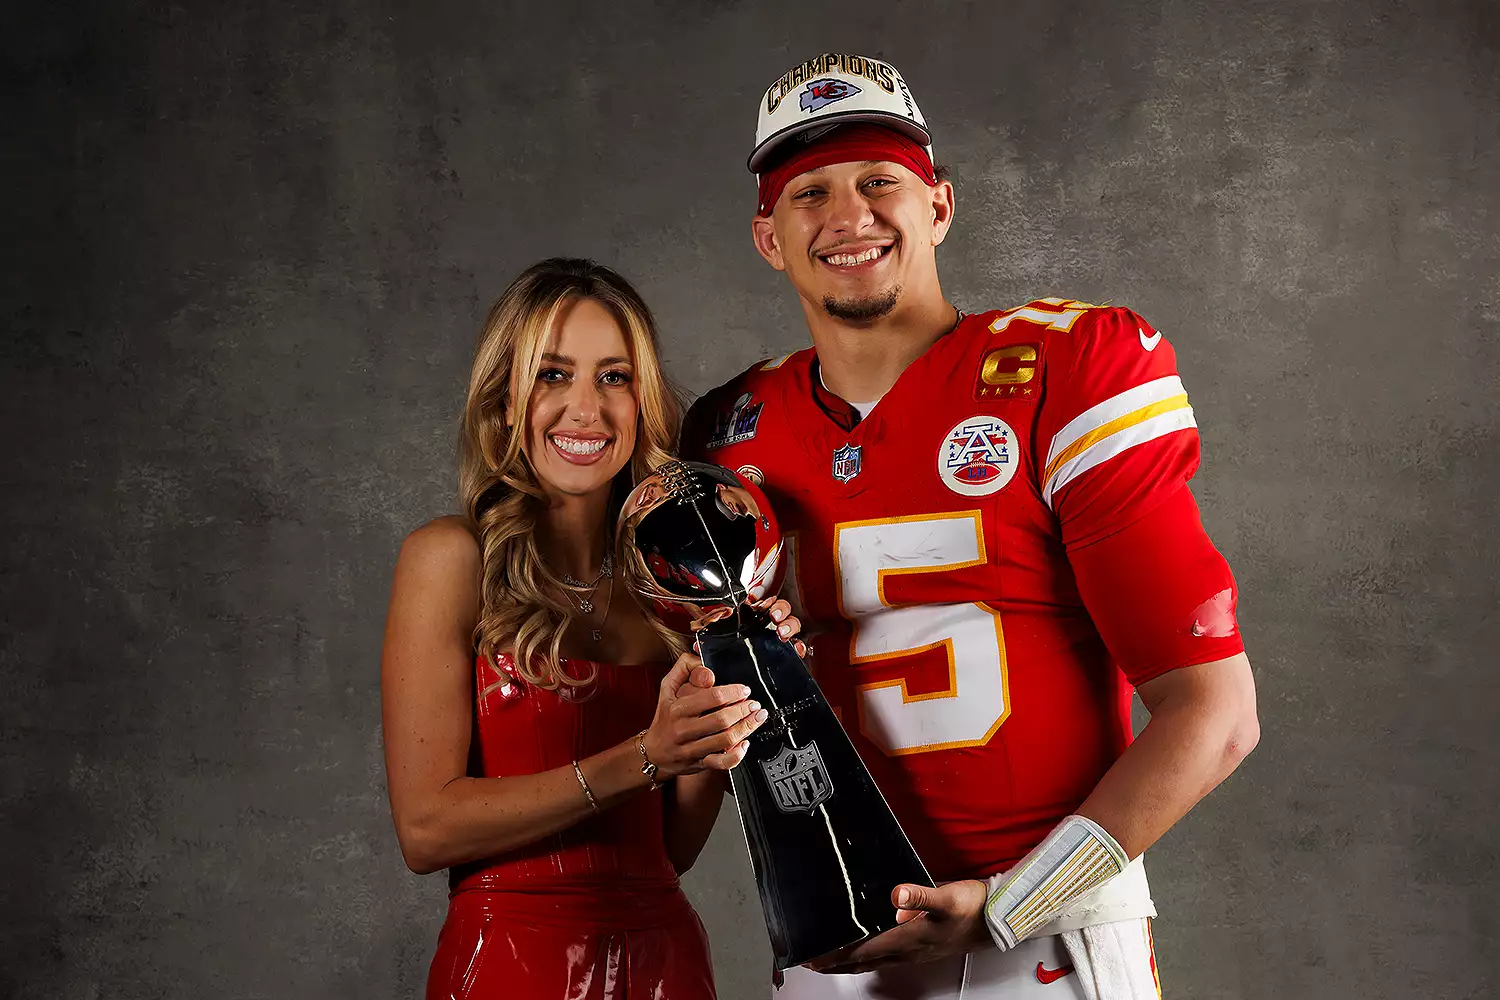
pixel 251 248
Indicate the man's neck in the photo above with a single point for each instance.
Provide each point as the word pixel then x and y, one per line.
pixel 861 361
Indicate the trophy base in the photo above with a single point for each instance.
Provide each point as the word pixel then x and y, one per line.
pixel 825 846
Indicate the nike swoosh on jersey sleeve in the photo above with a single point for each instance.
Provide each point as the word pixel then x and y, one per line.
pixel 1133 417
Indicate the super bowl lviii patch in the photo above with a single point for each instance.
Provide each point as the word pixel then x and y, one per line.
pixel 737 425
pixel 978 456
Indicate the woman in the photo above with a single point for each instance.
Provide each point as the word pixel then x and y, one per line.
pixel 526 692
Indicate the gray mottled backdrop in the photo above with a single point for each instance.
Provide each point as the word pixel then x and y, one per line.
pixel 249 249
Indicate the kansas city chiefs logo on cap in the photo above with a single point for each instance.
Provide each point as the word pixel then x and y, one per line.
pixel 821 93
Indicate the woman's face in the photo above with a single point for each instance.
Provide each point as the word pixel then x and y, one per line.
pixel 582 415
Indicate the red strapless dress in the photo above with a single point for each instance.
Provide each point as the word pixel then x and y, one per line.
pixel 594 912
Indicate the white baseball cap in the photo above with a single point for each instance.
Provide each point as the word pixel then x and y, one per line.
pixel 830 89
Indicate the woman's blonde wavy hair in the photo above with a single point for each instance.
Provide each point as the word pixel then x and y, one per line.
pixel 524 606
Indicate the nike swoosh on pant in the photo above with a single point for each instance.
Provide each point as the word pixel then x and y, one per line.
pixel 1047 976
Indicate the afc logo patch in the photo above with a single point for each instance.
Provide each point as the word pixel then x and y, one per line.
pixel 821 93
pixel 978 456
pixel 798 780
pixel 1008 373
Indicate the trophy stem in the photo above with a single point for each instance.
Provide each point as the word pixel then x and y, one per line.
pixel 776 713
pixel 824 845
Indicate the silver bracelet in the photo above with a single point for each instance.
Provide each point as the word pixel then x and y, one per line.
pixel 593 803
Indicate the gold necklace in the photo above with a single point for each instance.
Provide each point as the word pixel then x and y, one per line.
pixel 586 605
pixel 606 571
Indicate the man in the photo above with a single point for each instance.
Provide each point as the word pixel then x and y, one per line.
pixel 988 514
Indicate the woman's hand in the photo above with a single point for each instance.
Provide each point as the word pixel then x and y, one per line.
pixel 698 724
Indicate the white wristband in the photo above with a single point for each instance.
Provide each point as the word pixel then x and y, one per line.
pixel 1076 857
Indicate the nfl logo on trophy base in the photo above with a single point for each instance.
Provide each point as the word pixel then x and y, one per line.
pixel 798 780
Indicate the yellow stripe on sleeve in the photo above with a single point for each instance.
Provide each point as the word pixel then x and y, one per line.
pixel 1097 435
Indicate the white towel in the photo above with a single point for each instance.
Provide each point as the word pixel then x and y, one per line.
pixel 1113 961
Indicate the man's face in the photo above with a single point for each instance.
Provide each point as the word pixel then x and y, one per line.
pixel 854 237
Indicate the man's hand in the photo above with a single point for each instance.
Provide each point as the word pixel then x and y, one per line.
pixel 933 923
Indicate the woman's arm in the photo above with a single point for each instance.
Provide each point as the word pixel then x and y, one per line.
pixel 691 808
pixel 442 816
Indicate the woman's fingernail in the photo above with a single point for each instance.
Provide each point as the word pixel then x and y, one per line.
pixel 755 706
pixel 762 716
pixel 744 691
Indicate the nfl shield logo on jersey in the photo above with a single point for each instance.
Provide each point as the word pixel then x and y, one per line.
pixel 797 778
pixel 846 462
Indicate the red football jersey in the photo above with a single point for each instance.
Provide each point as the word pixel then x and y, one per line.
pixel 929 557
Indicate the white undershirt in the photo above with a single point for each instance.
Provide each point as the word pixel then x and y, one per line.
pixel 863 409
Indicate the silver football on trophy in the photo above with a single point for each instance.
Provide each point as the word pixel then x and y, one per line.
pixel 703 541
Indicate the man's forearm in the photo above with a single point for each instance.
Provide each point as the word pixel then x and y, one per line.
pixel 1203 723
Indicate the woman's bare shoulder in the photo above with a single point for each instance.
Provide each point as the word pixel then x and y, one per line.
pixel 448 541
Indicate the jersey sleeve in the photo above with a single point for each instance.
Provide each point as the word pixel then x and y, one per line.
pixel 726 415
pixel 1121 444
pixel 1116 432
pixel 1159 593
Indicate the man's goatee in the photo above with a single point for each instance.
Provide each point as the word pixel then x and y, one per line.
pixel 862 310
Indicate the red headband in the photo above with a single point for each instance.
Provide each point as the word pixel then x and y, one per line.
pixel 855 142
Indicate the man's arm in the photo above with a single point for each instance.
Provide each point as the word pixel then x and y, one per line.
pixel 1203 727
pixel 1203 723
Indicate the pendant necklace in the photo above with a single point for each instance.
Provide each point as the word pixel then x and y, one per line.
pixel 586 604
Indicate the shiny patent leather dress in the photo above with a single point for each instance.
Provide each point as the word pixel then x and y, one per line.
pixel 594 912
